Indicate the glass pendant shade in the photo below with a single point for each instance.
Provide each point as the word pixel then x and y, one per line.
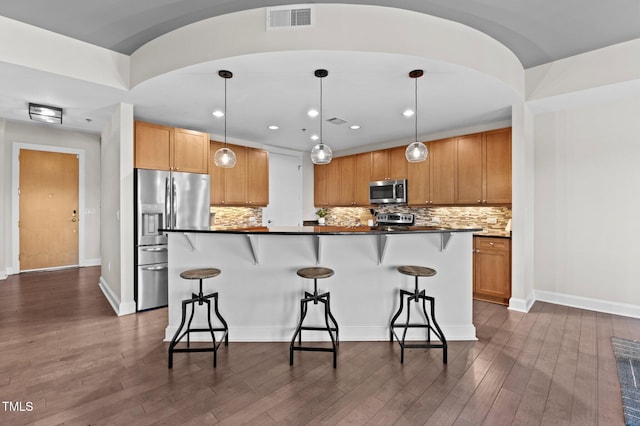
pixel 416 152
pixel 321 154
pixel 224 157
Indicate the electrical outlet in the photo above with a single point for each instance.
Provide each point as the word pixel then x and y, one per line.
pixel 492 220
pixel 252 219
pixel 435 219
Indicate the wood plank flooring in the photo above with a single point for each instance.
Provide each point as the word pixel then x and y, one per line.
pixel 63 350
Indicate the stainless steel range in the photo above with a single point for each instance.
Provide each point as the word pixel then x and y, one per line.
pixel 396 219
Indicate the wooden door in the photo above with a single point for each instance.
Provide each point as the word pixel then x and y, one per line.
pixel 257 177
pixel 153 146
pixel 442 171
pixel 48 210
pixel 190 151
pixel 497 166
pixel 469 184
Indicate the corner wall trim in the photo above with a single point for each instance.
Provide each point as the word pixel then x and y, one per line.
pixel 598 305
pixel 522 305
pixel 118 307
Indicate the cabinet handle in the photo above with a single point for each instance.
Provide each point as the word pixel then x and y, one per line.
pixel 484 201
pixel 479 202
pixel 491 244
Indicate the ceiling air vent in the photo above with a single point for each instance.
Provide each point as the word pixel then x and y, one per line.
pixel 278 17
pixel 337 121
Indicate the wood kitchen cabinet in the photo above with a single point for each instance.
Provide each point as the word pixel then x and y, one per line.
pixel 430 182
pixel 245 184
pixel 388 164
pixel 257 177
pixel 483 173
pixel 344 182
pixel 166 148
pixel 492 269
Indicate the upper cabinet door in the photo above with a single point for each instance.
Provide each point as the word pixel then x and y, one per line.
pixel 469 162
pixel 216 175
pixel 418 183
pixel 347 168
pixel 165 148
pixel 235 178
pixel 190 151
pixel 153 145
pixel 257 177
pixel 362 179
pixel 379 165
pixel 442 167
pixel 397 163
pixel 497 170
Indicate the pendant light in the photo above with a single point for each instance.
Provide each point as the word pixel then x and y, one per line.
pixel 321 153
pixel 416 151
pixel 225 157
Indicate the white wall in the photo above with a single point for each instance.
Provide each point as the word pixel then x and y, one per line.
pixel 5 209
pixel 53 137
pixel 587 198
pixel 116 278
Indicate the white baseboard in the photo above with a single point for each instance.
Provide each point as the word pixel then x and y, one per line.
pixel 92 262
pixel 118 307
pixel 521 305
pixel 598 305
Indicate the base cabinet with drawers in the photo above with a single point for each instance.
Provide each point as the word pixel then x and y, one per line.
pixel 492 269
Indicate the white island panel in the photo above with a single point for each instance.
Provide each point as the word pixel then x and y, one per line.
pixel 261 302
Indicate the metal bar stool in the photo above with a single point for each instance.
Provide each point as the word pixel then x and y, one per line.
pixel 199 274
pixel 315 273
pixel 417 295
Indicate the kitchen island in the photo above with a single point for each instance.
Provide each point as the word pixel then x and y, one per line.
pixel 260 291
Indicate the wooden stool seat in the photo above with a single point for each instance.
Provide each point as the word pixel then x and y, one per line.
pixel 200 274
pixel 331 326
pixel 416 271
pixel 315 272
pixel 431 325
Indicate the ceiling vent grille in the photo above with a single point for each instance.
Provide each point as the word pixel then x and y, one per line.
pixel 278 18
pixel 337 121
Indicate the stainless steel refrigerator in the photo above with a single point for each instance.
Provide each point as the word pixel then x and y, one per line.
pixel 164 200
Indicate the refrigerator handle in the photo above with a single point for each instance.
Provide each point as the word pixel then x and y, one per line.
pixel 174 197
pixel 167 204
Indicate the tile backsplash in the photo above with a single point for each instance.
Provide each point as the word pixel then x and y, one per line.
pixel 236 216
pixel 445 216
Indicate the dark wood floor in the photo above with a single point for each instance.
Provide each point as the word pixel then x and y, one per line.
pixel 63 350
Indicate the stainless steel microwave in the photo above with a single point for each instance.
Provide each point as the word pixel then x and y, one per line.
pixel 388 191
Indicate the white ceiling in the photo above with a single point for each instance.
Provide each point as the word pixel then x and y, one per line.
pixel 368 89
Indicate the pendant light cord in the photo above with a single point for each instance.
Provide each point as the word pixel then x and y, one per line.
pixel 321 140
pixel 416 107
pixel 225 112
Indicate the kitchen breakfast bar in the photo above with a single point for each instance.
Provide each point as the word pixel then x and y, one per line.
pixel 259 291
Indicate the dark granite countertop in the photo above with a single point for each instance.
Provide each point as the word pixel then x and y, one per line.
pixel 325 230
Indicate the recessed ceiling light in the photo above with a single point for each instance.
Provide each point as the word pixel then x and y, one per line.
pixel 408 113
pixel 218 114
pixel 313 113
pixel 273 127
pixel 355 127
pixel 315 137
